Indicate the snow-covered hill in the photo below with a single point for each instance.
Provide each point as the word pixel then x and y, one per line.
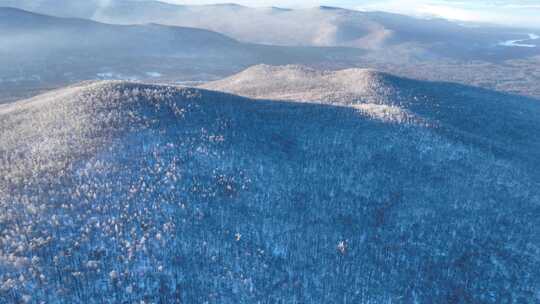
pixel 301 83
pixel 126 192
pixel 502 121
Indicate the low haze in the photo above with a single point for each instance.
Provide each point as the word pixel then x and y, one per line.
pixel 506 12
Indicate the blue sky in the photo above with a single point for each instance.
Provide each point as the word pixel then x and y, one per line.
pixel 507 12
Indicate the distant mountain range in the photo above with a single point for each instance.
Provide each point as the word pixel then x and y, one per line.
pixel 43 50
pixel 155 41
pixel 319 26
pixel 323 26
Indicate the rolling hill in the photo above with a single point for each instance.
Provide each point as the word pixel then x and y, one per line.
pixel 501 121
pixel 129 192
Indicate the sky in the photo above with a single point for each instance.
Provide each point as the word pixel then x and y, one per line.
pixel 524 13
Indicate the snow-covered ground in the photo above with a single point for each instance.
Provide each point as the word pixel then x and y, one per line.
pixel 121 76
pixel 520 42
pixel 130 193
pixel 20 79
pixel 153 74
pixel 116 76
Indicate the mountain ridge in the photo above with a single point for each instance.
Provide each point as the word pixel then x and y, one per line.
pixel 456 109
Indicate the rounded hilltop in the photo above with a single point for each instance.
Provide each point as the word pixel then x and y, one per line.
pixel 302 83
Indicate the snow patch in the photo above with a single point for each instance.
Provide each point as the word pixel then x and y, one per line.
pixel 116 76
pixel 520 42
pixel 21 79
pixel 385 113
pixel 153 74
